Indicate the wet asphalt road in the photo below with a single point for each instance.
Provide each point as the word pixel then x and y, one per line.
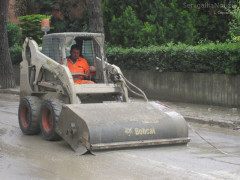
pixel 30 157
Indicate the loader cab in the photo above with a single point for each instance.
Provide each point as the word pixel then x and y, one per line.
pixel 57 46
pixel 86 45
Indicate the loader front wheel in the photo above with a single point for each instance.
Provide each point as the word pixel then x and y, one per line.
pixel 50 112
pixel 29 115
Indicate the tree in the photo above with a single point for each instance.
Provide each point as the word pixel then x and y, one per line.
pixel 67 15
pixel 125 29
pixel 212 23
pixel 163 21
pixel 95 16
pixel 6 71
pixel 234 25
pixel 147 22
pixel 31 24
pixel 24 7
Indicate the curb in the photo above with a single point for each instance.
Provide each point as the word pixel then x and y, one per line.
pixel 222 124
pixel 10 91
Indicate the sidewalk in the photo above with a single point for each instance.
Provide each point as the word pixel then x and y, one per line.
pixel 207 114
pixel 11 91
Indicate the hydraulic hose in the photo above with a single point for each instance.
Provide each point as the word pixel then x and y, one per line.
pixel 142 93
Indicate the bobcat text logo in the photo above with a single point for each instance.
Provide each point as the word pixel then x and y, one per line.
pixel 140 131
pixel 144 131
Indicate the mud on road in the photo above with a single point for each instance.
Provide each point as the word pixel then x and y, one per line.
pixel 31 157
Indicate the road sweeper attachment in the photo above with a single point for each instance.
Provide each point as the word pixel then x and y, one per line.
pixel 88 116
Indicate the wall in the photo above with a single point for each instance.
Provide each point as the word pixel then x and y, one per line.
pixel 199 88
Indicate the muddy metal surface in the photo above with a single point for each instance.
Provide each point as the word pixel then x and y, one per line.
pixel 30 157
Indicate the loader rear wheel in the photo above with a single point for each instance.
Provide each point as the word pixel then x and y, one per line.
pixel 50 112
pixel 29 115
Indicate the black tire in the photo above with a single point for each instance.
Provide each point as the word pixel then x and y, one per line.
pixel 29 115
pixel 50 112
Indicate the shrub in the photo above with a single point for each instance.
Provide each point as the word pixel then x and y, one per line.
pixel 31 26
pixel 14 34
pixel 16 54
pixel 203 58
pixel 15 40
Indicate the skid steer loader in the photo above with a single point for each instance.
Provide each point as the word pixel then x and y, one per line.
pixel 88 116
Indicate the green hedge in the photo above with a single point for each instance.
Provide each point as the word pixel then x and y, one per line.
pixel 204 58
pixel 16 54
pixel 15 40
pixel 14 34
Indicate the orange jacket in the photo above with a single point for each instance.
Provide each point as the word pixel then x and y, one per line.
pixel 80 66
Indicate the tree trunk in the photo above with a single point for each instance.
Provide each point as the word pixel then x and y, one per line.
pixel 7 79
pixel 95 16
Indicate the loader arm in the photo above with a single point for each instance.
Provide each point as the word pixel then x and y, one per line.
pixel 37 60
pixel 115 70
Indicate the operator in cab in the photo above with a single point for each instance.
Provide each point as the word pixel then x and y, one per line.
pixel 78 64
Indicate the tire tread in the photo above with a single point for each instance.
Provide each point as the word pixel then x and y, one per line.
pixel 35 104
pixel 57 107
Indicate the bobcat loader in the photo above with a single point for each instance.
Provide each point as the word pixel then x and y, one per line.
pixel 88 116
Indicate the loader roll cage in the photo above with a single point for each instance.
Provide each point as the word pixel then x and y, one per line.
pixel 57 47
pixel 45 69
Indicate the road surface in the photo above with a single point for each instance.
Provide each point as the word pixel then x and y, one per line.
pixel 30 157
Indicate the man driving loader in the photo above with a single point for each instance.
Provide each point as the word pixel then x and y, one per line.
pixel 50 102
pixel 78 65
